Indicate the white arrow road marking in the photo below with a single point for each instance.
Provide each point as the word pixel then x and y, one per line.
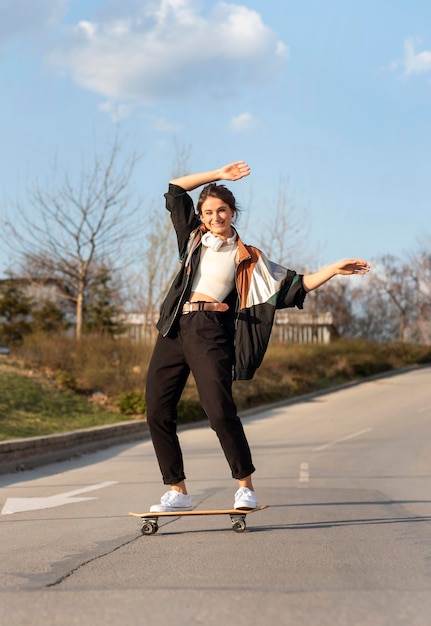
pixel 18 505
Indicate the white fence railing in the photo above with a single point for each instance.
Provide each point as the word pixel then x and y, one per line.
pixel 295 326
pixel 290 326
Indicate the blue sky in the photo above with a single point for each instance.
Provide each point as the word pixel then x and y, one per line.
pixel 335 96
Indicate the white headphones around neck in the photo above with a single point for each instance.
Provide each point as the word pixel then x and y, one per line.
pixel 215 243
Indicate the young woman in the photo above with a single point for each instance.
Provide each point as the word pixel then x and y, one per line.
pixel 216 322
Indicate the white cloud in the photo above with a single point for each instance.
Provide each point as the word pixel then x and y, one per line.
pixel 414 62
pixel 169 49
pixel 242 123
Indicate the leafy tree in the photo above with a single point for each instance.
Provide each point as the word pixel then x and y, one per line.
pixel 15 310
pixel 102 314
pixel 49 318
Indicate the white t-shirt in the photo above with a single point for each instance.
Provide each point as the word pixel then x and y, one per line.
pixel 215 276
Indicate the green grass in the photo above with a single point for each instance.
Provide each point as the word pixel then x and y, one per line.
pixel 55 400
pixel 29 408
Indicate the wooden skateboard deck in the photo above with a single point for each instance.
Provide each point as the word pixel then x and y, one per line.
pixel 150 520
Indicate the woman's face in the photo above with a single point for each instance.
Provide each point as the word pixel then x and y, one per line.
pixel 217 217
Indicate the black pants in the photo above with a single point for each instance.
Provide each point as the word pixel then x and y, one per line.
pixel 202 345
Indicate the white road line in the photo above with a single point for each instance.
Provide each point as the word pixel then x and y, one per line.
pixel 304 473
pixel 333 443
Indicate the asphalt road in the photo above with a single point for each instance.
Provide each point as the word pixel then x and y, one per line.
pixel 346 540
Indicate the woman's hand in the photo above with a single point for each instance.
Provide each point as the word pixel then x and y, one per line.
pixel 352 266
pixel 234 171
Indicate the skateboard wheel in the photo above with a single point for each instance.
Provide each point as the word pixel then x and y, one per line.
pixel 238 525
pixel 149 528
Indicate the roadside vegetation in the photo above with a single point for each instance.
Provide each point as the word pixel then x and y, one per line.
pixel 51 386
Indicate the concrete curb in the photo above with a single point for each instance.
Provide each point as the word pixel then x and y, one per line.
pixel 23 454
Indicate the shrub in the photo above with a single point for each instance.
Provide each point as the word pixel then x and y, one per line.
pixel 131 403
pixel 65 381
pixel 110 366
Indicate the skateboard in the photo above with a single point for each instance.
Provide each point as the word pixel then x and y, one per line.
pixel 150 524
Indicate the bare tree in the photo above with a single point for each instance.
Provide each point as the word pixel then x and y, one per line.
pixel 284 233
pixel 374 316
pixel 337 297
pixel 159 261
pixel 79 224
pixel 181 159
pixel 148 282
pixel 421 275
pixel 386 302
pixel 393 280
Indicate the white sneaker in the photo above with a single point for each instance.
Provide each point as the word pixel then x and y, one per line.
pixel 245 499
pixel 172 501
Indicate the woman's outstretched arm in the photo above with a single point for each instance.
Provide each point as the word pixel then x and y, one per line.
pixel 345 267
pixel 232 171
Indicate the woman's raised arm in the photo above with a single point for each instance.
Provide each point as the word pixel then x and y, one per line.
pixel 232 171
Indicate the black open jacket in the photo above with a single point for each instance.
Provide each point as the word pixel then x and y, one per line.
pixel 262 287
